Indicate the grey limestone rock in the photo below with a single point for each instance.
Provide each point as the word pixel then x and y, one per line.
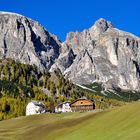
pixel 101 53
pixel 105 54
pixel 27 41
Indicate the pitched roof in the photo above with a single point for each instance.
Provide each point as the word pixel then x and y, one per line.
pixel 37 103
pixel 84 98
pixel 60 105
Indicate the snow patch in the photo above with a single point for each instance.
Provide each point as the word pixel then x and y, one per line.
pixel 85 87
pixel 10 13
pixel 112 91
pixel 103 93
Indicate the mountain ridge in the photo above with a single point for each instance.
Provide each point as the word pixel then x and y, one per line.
pixel 101 53
pixel 107 43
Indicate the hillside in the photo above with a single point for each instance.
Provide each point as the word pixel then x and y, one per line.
pixel 21 83
pixel 115 93
pixel 119 123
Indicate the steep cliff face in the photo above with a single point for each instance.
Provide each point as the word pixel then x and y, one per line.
pixel 105 54
pixel 27 41
pixel 101 53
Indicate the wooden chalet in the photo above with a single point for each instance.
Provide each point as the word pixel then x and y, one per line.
pixel 82 105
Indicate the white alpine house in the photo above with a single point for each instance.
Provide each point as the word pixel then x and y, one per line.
pixel 35 107
pixel 63 107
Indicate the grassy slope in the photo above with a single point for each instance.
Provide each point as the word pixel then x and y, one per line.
pixel 121 123
pixel 118 124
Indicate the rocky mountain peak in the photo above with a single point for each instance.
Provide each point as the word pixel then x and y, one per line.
pixel 24 39
pixel 106 55
pixel 88 38
pixel 101 53
pixel 99 27
pixel 103 24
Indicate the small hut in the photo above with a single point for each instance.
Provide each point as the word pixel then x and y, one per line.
pixel 63 107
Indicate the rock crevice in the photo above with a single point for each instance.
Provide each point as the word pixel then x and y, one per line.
pixel 101 53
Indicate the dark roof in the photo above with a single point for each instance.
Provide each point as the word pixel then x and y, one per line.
pixel 37 103
pixel 60 105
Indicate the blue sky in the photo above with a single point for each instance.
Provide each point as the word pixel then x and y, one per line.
pixel 62 16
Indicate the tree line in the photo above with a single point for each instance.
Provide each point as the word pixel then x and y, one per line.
pixel 21 83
